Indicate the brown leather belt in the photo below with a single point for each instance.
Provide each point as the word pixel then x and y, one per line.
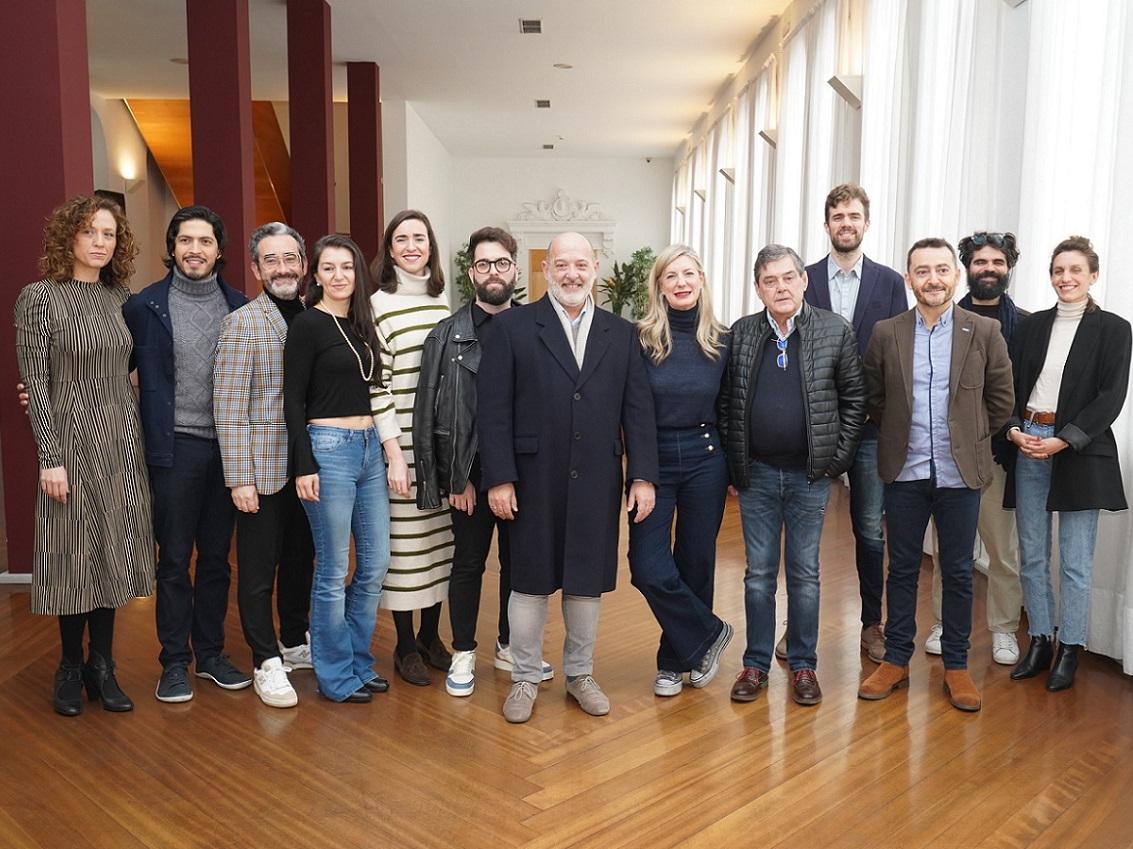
pixel 1039 418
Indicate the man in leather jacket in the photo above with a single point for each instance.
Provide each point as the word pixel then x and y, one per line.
pixel 792 410
pixel 446 448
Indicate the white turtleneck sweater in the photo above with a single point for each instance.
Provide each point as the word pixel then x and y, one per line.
pixel 1044 397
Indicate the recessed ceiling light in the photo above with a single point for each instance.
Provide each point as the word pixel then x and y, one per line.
pixel 179 60
pixel 548 147
pixel 562 66
pixel 530 26
pixel 542 104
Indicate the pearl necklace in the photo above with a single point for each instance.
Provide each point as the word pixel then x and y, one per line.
pixel 366 377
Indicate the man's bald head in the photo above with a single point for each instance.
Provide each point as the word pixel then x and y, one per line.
pixel 570 241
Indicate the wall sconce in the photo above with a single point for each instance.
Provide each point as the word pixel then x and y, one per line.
pixel 128 171
pixel 728 174
pixel 849 88
pixel 771 137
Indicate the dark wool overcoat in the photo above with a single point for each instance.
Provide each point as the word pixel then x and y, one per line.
pixel 560 435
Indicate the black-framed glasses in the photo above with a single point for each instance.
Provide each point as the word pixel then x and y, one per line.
pixel 502 265
pixel 781 360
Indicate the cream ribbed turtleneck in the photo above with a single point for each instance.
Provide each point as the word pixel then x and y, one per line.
pixel 411 284
pixel 1044 397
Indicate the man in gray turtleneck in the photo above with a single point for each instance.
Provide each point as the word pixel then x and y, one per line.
pixel 176 324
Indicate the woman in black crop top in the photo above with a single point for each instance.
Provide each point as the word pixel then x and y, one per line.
pixel 338 464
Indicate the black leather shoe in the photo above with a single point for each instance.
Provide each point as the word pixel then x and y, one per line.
pixel 377 685
pixel 358 697
pixel 1036 660
pixel 1065 665
pixel 68 699
pixel 98 675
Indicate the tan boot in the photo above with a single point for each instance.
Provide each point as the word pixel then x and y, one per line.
pixel 961 690
pixel 882 683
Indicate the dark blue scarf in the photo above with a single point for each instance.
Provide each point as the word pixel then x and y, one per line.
pixel 1008 314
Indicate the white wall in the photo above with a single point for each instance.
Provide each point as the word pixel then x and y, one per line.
pixel 634 193
pixel 120 152
pixel 428 180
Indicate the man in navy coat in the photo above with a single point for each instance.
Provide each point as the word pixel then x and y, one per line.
pixel 863 292
pixel 562 396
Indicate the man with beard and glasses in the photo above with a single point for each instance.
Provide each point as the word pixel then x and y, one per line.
pixel 863 292
pixel 271 526
pixel 988 259
pixel 446 445
pixel 175 324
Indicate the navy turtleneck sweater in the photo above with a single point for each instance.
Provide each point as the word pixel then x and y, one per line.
pixel 686 383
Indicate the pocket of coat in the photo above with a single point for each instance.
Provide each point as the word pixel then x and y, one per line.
pixel 619 449
pixel 527 445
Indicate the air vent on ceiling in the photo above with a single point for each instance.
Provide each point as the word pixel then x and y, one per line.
pixel 542 104
pixel 548 147
pixel 530 26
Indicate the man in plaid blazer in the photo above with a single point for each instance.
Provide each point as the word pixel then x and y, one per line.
pixel 271 527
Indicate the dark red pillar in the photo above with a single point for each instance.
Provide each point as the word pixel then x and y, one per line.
pixel 364 104
pixel 311 117
pixel 220 104
pixel 45 158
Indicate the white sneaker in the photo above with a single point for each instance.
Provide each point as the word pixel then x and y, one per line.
pixel 668 683
pixel 461 678
pixel 505 661
pixel 1004 649
pixel 932 641
pixel 297 657
pixel 272 686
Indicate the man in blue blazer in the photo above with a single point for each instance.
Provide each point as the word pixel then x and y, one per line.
pixel 863 292
pixel 175 324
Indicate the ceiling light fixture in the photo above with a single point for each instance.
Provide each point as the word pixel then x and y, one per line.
pixel 562 66
pixel 530 26
pixel 548 147
pixel 542 104
pixel 179 60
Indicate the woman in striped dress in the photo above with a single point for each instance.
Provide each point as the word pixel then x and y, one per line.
pixel 408 304
pixel 93 527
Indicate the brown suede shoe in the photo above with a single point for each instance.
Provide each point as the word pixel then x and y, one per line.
pixel 881 684
pixel 961 690
pixel 805 686
pixel 412 669
pixel 873 643
pixel 749 683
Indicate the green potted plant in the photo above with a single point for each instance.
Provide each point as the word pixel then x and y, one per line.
pixel 628 286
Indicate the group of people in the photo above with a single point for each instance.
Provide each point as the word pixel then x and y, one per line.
pixel 345 404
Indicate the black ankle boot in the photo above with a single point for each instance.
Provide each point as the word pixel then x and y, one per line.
pixel 1065 665
pixel 98 675
pixel 69 689
pixel 1036 660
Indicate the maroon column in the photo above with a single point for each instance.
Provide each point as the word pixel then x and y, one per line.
pixel 45 158
pixel 364 99
pixel 311 111
pixel 220 105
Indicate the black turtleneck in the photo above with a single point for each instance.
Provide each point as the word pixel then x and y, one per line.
pixel 686 383
pixel 288 309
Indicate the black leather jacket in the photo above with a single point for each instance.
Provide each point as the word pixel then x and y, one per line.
pixel 833 391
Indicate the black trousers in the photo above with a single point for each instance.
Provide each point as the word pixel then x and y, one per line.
pixel 278 535
pixel 472 539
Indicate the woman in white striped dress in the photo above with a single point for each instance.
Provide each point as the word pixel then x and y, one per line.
pixel 93 527
pixel 408 303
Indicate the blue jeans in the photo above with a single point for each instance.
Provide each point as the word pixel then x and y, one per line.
pixel 677 576
pixel 776 499
pixel 1077 533
pixel 353 498
pixel 867 497
pixel 956 511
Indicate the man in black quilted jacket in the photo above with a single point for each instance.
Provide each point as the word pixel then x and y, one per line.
pixel 793 407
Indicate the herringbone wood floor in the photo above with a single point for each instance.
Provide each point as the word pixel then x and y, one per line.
pixel 419 768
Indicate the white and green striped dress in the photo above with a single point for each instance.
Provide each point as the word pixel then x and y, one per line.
pixel 420 540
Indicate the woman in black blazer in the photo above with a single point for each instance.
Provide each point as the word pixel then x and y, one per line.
pixel 1071 374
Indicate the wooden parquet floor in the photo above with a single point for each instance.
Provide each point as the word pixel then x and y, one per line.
pixel 418 768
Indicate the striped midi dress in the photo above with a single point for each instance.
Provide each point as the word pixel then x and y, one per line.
pixel 73 348
pixel 420 540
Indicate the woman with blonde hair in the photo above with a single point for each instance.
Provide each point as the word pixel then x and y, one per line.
pixel 685 349
pixel 93 527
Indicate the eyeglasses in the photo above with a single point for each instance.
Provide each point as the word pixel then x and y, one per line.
pixel 781 360
pixel 272 262
pixel 502 265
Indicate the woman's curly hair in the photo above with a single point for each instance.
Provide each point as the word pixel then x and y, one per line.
pixel 64 223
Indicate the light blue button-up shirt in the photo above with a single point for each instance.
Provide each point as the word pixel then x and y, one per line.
pixel 930 443
pixel 844 287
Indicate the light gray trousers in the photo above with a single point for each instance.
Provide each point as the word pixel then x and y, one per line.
pixel 527 615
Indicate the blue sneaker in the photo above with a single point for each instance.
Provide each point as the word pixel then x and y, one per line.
pixel 221 672
pixel 173 686
pixel 461 678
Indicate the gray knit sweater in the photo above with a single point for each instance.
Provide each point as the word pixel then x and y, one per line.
pixel 196 308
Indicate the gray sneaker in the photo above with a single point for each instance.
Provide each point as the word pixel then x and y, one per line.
pixel 667 683
pixel 710 664
pixel 173 685
pixel 589 695
pixel 520 701
pixel 221 672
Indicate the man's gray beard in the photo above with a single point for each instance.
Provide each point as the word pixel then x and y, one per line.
pixel 495 299
pixel 293 286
